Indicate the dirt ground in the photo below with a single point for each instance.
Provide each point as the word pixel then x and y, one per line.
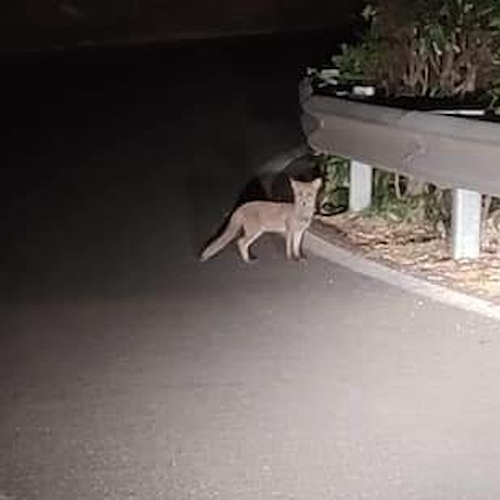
pixel 417 250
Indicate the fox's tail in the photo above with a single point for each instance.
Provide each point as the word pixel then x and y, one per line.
pixel 228 235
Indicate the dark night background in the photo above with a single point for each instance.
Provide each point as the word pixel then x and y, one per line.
pixel 36 25
pixel 75 71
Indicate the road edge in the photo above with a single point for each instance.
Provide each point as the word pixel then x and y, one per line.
pixel 362 265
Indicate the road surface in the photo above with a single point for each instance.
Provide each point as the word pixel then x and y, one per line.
pixel 129 370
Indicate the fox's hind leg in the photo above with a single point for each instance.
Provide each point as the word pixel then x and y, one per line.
pixel 244 244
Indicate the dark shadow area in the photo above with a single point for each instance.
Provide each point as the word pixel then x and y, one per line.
pixel 303 169
pixel 117 164
pixel 253 191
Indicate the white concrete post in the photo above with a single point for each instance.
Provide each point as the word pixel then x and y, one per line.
pixel 466 224
pixel 360 186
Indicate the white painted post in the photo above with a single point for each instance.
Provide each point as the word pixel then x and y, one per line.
pixel 360 186
pixel 466 224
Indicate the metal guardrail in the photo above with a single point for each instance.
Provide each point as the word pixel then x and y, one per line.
pixel 452 152
pixel 449 151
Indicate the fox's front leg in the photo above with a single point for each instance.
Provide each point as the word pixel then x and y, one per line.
pixel 289 245
pixel 297 245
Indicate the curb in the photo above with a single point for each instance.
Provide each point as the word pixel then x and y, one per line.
pixel 359 264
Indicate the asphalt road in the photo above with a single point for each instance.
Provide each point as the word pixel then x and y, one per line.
pixel 128 370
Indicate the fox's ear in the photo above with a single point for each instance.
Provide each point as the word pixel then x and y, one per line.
pixel 316 183
pixel 293 182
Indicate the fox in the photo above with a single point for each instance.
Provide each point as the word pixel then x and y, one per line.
pixel 255 218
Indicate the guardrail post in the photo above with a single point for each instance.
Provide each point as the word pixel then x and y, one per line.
pixel 466 224
pixel 360 186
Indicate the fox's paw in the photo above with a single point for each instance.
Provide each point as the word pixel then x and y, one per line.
pixel 251 260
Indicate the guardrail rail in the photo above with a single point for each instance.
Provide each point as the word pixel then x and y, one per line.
pixel 452 152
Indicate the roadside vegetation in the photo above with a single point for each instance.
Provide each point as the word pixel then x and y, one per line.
pixel 442 50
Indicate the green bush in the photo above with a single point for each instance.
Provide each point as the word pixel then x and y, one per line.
pixel 394 197
pixel 335 193
pixel 427 47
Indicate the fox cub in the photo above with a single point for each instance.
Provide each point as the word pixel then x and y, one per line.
pixel 255 218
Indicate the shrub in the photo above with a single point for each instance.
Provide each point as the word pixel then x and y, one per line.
pixel 433 48
pixel 428 47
